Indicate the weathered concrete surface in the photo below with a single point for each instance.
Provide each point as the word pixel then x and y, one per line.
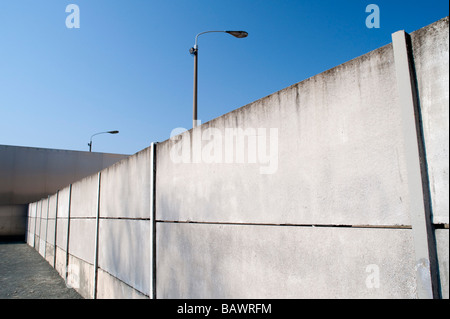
pixel 51 220
pixel 83 230
pixel 62 222
pixel 61 233
pixel 124 251
pixel 125 190
pixel 82 239
pixel 50 254
pixel 244 261
pixel 84 199
pixel 43 227
pixel 31 223
pixel 430 47
pixel 52 206
pixel 63 202
pixel 61 262
pixel 109 287
pixel 340 158
pixel 51 230
pixel 37 226
pixel 442 240
pixel 81 277
pixel 24 274
pixel 28 174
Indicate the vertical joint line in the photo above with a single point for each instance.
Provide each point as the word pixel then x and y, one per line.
pixel 46 226
pixel 56 230
pixel 97 222
pixel 35 223
pixel 153 221
pixel 68 232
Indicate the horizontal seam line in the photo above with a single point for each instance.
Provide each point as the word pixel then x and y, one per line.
pixel 124 218
pixel 288 225
pixel 121 218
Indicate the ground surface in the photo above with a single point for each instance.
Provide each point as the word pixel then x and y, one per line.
pixel 24 274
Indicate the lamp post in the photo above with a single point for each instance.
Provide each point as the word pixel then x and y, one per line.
pixel 109 132
pixel 194 52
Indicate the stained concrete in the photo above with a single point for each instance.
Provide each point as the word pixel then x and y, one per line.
pixel 110 287
pixel 124 251
pixel 84 198
pixel 81 277
pixel 61 261
pixel 340 156
pixel 43 226
pixel 245 261
pixel 128 179
pixel 82 239
pixel 430 47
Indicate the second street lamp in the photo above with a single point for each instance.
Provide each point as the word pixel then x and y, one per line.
pixel 194 52
pixel 109 132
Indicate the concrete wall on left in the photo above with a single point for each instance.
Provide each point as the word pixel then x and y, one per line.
pixel 95 232
pixel 28 174
pixel 13 219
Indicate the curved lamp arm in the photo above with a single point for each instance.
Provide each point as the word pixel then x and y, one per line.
pixel 108 132
pixel 237 34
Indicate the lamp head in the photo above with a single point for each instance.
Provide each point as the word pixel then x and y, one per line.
pixel 238 34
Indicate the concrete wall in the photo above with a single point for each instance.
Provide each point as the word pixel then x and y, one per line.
pixel 340 159
pixel 62 224
pixel 247 261
pixel 430 48
pixel 13 220
pixel 341 163
pixel 442 239
pixel 124 233
pixel 28 174
pixel 113 205
pixel 316 203
pixel 51 230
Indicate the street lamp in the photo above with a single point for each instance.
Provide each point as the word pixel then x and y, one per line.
pixel 109 132
pixel 194 51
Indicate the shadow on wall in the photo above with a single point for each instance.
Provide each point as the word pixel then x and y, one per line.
pixel 184 272
pixel 124 252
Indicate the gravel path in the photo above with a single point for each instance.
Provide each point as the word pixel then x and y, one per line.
pixel 24 274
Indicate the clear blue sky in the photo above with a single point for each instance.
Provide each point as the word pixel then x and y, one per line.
pixel 128 66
